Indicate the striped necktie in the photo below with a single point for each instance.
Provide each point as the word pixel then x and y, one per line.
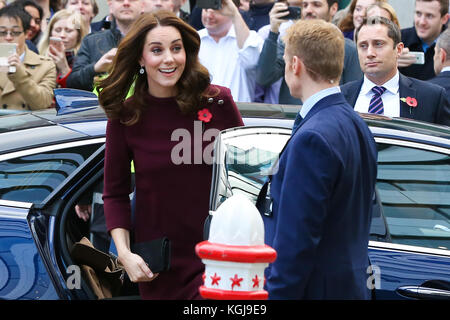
pixel 376 104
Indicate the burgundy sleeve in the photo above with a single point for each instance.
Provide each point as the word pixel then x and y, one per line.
pixel 117 178
pixel 232 117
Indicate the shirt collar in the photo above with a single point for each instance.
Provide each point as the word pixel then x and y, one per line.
pixel 311 101
pixel 426 46
pixel 204 33
pixel 391 85
pixel 445 69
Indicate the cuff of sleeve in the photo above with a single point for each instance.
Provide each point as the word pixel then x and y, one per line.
pixel 273 36
pixel 62 80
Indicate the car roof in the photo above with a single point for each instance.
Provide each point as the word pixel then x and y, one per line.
pixel 45 127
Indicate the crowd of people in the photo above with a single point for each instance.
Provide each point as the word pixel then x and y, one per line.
pixel 158 69
pixel 241 44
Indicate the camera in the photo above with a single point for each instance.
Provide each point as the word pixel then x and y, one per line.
pixel 214 4
pixel 294 13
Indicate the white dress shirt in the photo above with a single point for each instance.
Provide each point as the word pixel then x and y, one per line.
pixel 391 97
pixel 230 66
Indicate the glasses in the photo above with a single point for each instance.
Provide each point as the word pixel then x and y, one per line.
pixel 4 33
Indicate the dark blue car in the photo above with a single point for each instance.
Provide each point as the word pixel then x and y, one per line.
pixel 49 162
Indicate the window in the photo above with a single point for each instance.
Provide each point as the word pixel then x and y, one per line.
pixel 248 159
pixel 414 187
pixel 32 178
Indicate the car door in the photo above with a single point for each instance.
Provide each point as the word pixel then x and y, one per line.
pixel 412 258
pixel 402 264
pixel 30 181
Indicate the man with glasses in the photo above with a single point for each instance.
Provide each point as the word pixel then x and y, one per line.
pixel 28 81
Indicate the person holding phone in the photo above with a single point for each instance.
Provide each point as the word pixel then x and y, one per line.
pixel 30 86
pixel 430 20
pixel 227 38
pixel 271 66
pixel 62 40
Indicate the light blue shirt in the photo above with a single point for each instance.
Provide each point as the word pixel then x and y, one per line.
pixel 311 101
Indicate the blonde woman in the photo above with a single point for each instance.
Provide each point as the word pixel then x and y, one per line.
pixel 62 40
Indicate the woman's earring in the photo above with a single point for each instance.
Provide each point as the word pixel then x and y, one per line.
pixel 142 70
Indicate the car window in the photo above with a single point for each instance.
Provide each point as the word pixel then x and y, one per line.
pixel 31 178
pixel 248 160
pixel 414 187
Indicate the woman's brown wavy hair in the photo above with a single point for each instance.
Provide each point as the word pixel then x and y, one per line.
pixel 114 88
pixel 347 22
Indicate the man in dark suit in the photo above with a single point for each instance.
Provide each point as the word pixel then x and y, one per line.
pixel 430 18
pixel 442 62
pixel 322 193
pixel 383 90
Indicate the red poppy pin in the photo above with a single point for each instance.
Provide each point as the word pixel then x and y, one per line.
pixel 204 115
pixel 411 102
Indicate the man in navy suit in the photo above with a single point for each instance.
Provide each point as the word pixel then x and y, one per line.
pixel 379 45
pixel 442 62
pixel 322 193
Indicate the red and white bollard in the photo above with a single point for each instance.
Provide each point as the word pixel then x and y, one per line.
pixel 235 255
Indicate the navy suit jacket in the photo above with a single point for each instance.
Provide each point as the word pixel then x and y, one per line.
pixel 432 105
pixel 322 195
pixel 443 80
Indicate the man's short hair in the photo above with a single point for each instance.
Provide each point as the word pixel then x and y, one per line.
pixel 17 12
pixel 393 30
pixel 320 45
pixel 443 3
pixel 443 42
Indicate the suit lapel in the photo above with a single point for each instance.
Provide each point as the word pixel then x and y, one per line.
pixel 351 95
pixel 406 90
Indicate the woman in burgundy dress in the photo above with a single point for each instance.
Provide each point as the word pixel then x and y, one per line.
pixel 167 128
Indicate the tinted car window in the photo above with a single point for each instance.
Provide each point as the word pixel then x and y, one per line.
pixel 414 187
pixel 248 160
pixel 32 178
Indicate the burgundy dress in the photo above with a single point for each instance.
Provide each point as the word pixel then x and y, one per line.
pixel 171 199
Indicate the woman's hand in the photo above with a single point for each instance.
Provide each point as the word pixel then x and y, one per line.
pixel 136 268
pixel 57 53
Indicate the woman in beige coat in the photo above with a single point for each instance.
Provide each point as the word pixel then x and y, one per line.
pixel 30 86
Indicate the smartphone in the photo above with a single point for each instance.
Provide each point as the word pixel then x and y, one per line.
pixel 55 40
pixel 294 13
pixel 214 4
pixel 420 57
pixel 6 50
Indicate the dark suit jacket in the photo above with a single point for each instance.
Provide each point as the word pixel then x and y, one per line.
pixel 322 196
pixel 93 47
pixel 100 25
pixel 443 80
pixel 432 105
pixel 413 43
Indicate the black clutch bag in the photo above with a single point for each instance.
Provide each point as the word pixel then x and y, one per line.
pixel 156 253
